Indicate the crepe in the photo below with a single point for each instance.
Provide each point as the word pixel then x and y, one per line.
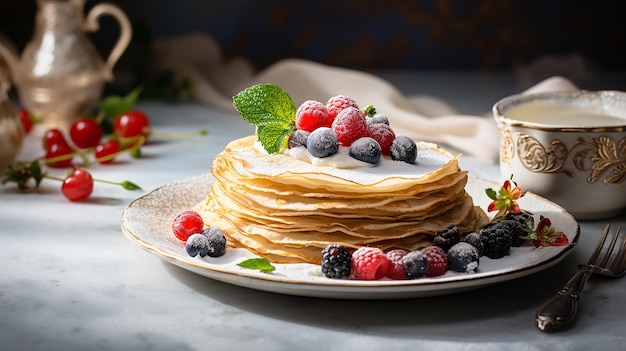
pixel 287 210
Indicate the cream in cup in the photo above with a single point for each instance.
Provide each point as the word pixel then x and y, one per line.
pixel 569 147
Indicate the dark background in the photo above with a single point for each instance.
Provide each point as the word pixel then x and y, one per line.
pixel 485 36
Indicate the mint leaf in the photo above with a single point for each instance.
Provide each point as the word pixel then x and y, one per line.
pixel 115 105
pixel 272 110
pixel 260 264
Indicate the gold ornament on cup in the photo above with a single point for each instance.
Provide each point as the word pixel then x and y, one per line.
pixel 60 73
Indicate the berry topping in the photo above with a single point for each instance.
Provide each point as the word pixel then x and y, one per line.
pixel 437 260
pixel 404 149
pixel 473 239
pixel 463 257
pixel 338 103
pixel 415 264
pixel 322 142
pixel 350 125
pixel 496 239
pixel 366 149
pixel 377 118
pixel 336 262
pixel 78 185
pixel 216 241
pixel 197 244
pixel 369 263
pixel 311 115
pixel 186 223
pixel 383 134
pixel 298 138
pixel 447 237
pixel 526 221
pixel 396 264
pixel 85 133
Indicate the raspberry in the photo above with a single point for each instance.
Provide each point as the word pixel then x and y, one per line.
pixel 496 239
pixel 337 103
pixel 186 223
pixel 369 263
pixel 216 241
pixel 349 125
pixel 447 237
pixel 415 264
pixel 311 115
pixel 463 257
pixel 322 142
pixel 437 260
pixel 336 262
pixel 383 134
pixel 396 264
pixel 404 149
pixel 377 118
pixel 366 149
pixel 473 239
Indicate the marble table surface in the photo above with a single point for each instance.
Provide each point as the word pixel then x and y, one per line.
pixel 71 280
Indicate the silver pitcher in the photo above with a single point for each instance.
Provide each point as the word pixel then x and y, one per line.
pixel 60 73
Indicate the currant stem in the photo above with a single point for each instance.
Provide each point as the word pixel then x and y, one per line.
pixel 179 135
pixel 128 185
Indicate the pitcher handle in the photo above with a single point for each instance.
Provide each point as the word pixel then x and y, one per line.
pixel 91 25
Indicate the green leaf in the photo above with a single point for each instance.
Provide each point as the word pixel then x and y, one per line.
pixel 272 110
pixel 115 105
pixel 260 264
pixel 130 185
pixel 491 194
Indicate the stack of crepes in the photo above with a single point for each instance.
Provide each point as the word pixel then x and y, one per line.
pixel 287 210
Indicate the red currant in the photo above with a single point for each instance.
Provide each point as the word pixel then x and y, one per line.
pixel 59 155
pixel 106 152
pixel 53 136
pixel 132 124
pixel 27 123
pixel 85 133
pixel 186 223
pixel 78 185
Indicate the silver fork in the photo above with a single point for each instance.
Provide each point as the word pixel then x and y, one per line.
pixel 561 309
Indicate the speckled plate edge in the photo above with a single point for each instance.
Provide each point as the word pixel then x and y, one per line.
pixel 147 223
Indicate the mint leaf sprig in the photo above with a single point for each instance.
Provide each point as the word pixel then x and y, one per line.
pixel 271 110
pixel 259 264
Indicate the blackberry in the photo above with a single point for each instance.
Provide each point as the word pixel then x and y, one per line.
pixel 298 138
pixel 463 257
pixel 197 244
pixel 366 149
pixel 377 118
pixel 216 241
pixel 415 264
pixel 496 240
pixel 336 262
pixel 322 142
pixel 447 237
pixel 527 222
pixel 404 149
pixel 473 239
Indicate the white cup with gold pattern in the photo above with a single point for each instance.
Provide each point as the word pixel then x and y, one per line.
pixel 569 147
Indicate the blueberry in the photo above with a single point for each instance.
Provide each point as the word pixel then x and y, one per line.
pixel 216 241
pixel 298 138
pixel 415 264
pixel 366 149
pixel 197 244
pixel 463 257
pixel 473 239
pixel 404 149
pixel 322 142
pixel 378 118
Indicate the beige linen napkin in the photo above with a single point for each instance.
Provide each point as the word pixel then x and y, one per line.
pixel 430 119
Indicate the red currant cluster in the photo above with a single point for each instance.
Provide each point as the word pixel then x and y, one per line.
pixel 130 131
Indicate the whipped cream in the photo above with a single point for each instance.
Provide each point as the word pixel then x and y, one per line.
pixel 341 159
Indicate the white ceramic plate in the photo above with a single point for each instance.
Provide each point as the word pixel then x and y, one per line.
pixel 147 222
